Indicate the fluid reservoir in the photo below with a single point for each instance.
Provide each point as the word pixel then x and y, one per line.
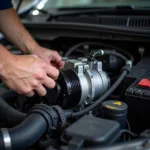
pixel 115 110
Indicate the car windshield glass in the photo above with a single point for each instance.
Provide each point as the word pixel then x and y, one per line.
pixel 47 4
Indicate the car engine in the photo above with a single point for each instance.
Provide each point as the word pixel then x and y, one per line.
pixel 100 101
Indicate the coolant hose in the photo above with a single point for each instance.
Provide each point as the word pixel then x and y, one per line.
pixel 39 121
pixel 9 95
pixel 123 51
pixel 96 53
pixel 9 115
pixel 25 134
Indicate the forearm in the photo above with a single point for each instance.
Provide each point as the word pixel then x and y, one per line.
pixel 15 32
pixel 4 56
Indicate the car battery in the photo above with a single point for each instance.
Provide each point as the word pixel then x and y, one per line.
pixel 138 96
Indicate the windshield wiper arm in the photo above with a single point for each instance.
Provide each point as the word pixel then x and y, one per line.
pixel 82 11
pixel 94 10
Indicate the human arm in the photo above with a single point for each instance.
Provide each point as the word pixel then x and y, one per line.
pixel 12 28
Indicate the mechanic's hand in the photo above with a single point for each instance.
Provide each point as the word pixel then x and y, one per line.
pixel 49 56
pixel 28 73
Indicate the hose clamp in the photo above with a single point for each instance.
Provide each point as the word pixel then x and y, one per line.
pixel 7 139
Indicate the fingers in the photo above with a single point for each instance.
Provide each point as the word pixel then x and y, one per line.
pixel 61 65
pixel 57 60
pixel 41 90
pixel 56 57
pixel 52 72
pixel 30 94
pixel 29 74
pixel 48 82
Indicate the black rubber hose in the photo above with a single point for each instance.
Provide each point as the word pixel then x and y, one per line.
pixel 124 131
pixel 130 57
pixel 9 115
pixel 112 88
pixel 41 118
pixel 9 95
pixel 108 52
pixel 96 53
pixel 27 133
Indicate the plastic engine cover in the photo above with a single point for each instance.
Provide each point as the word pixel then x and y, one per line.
pixel 93 131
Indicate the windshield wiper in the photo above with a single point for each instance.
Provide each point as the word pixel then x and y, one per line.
pixel 85 10
pixel 96 10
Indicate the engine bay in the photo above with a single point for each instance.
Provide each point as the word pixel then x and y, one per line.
pixel 101 98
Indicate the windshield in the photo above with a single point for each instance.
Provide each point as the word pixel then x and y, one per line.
pixel 47 4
